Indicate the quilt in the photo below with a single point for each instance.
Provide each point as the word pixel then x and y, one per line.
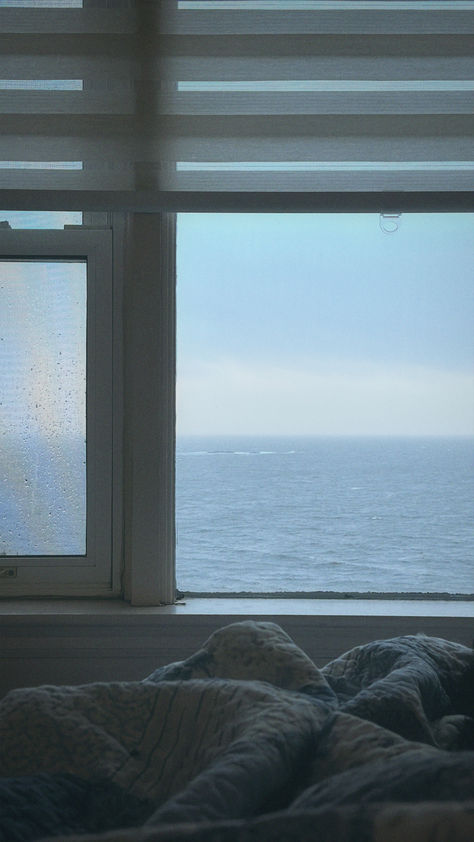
pixel 248 740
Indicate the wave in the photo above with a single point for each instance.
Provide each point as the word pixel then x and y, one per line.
pixel 235 452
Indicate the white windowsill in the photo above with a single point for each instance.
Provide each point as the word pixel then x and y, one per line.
pixel 242 606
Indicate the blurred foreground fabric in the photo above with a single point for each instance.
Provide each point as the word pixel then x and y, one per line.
pixel 249 740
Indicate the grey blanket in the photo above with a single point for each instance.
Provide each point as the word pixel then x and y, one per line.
pixel 248 740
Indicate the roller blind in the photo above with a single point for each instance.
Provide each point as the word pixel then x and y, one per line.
pixel 121 98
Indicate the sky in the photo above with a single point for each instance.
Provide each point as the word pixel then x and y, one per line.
pixel 325 324
pixel 309 324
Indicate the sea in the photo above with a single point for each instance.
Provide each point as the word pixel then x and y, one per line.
pixel 278 514
pixel 315 514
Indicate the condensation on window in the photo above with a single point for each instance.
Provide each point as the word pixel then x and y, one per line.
pixel 43 407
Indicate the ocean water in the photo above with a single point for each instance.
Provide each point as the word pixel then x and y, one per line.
pixel 325 514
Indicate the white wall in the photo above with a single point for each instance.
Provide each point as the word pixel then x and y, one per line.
pixel 75 648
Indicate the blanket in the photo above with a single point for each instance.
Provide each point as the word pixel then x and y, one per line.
pixel 249 740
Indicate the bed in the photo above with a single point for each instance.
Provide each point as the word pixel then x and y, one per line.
pixel 248 740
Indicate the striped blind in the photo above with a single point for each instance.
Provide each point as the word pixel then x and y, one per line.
pixel 126 98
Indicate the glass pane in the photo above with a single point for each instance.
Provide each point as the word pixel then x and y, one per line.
pixel 43 407
pixel 40 219
pixel 42 4
pixel 325 403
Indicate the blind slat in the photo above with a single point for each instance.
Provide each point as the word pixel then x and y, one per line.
pixel 296 150
pixel 167 18
pixel 118 72
pixel 369 21
pixel 115 103
pixel 71 21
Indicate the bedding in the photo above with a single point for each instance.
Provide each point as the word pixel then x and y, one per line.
pixel 249 740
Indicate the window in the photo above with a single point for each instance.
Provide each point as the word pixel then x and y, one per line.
pixel 40 219
pixel 61 257
pixel 142 109
pixel 57 411
pixel 325 408
pixel 44 494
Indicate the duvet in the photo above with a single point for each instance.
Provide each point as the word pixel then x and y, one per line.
pixel 249 740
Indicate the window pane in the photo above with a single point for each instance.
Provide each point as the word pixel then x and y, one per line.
pixel 325 403
pixel 43 409
pixel 43 4
pixel 41 219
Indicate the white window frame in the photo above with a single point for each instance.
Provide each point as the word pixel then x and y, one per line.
pixel 138 401
pixel 146 248
pixel 435 203
pixel 95 573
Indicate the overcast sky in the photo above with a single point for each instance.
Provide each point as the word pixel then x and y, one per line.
pixel 325 324
pixel 318 324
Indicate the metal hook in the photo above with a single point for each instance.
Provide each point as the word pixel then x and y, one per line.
pixel 389 222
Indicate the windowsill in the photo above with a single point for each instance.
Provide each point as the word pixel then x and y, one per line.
pixel 241 606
